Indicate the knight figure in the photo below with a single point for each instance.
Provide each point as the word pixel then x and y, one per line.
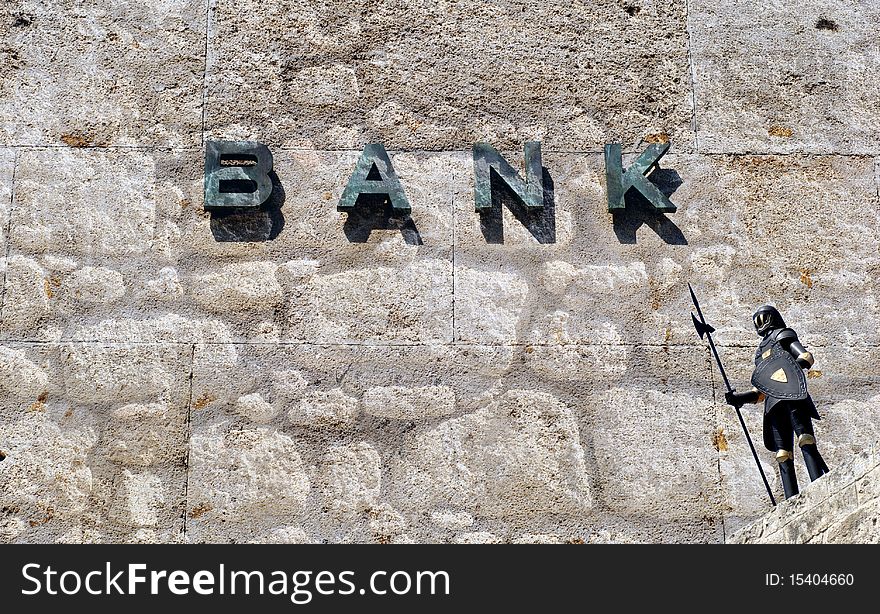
pixel 779 380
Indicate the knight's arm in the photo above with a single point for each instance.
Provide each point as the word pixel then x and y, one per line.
pixel 738 399
pixel 789 340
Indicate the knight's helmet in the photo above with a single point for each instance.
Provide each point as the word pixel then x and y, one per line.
pixel 767 318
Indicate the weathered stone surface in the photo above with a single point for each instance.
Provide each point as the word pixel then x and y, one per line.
pixel 45 479
pixel 91 230
pixel 331 408
pixel 137 499
pixel 95 373
pixel 828 203
pixel 521 454
pixel 254 408
pixel 7 166
pixel 650 444
pixel 20 377
pixel 146 434
pixel 769 79
pixel 350 479
pixel 516 450
pixel 260 474
pixel 79 465
pixel 249 286
pixel 429 75
pixel 402 403
pixel 297 374
pixel 112 73
pixel 169 328
pixel 489 305
pixel 840 507
pixel 808 224
pixel 859 527
pixel 328 277
pixel 27 294
pixel 97 285
pixel 85 202
pixel 392 304
pixel 452 519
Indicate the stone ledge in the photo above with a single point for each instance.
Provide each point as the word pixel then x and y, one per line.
pixel 840 507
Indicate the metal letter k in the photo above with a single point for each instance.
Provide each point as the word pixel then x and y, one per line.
pixel 619 182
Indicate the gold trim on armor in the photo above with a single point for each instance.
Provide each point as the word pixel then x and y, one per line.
pixel 806 440
pixel 807 358
pixel 783 455
pixel 779 376
pixel 767 353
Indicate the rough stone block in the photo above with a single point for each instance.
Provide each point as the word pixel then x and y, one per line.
pixel 518 450
pixel 808 525
pixel 450 519
pixel 7 165
pixel 255 408
pixel 327 276
pixel 403 403
pixel 118 374
pixel 251 287
pixel 21 379
pixel 138 500
pixel 325 409
pixel 424 75
pixel 241 475
pixel 584 276
pixel 520 455
pixel 75 456
pixel 350 479
pixel 93 235
pixel 752 533
pixel 868 486
pixel 644 457
pixel 769 79
pixel 862 526
pixel 148 434
pixel 110 73
pixel 81 202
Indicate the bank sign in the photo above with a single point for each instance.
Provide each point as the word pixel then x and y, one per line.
pixel 237 176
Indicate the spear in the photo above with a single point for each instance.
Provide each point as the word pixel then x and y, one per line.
pixel 703 329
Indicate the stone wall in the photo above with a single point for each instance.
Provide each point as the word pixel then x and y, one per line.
pixel 293 375
pixel 842 507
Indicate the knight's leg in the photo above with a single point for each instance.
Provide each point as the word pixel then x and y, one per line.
pixel 803 426
pixel 786 472
pixel 783 438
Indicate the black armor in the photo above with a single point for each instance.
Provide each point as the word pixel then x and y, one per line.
pixel 777 374
pixel 779 381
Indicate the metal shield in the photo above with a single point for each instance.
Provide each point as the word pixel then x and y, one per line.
pixel 780 376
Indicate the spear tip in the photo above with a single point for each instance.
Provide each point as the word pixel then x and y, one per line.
pixel 693 296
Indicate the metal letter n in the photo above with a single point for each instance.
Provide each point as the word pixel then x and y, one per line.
pixel 487 159
pixel 619 182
